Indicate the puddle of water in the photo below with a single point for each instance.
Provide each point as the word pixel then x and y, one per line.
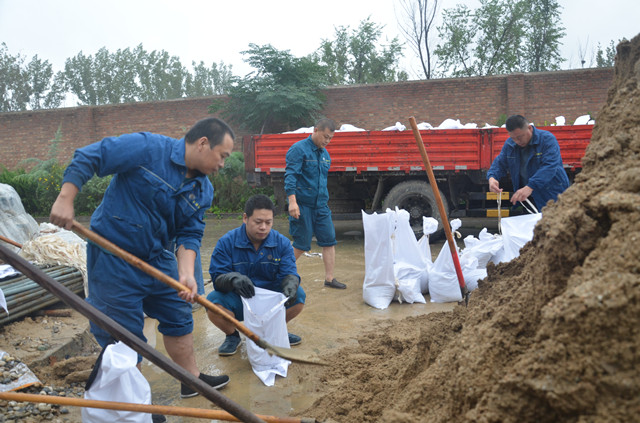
pixel 330 320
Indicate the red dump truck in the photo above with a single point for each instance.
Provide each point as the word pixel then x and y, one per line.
pixel 374 170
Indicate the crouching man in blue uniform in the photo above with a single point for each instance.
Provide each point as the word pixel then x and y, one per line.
pixel 253 255
pixel 532 158
pixel 159 192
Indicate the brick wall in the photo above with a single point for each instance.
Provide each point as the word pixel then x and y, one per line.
pixel 538 96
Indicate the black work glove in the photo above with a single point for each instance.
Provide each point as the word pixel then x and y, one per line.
pixel 289 287
pixel 236 282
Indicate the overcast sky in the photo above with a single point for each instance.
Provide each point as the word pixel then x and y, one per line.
pixel 218 31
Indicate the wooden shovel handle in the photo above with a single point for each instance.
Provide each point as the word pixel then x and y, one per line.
pixel 142 408
pixel 162 277
pixel 443 214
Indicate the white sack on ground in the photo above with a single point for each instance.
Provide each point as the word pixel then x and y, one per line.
pixel 482 248
pixel 264 315
pixel 394 265
pixel 516 232
pixel 15 223
pixel 429 226
pixel 56 246
pixel 443 280
pixel 379 286
pixel 409 265
pixel 118 380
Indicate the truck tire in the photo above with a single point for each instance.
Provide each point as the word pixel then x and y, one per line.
pixel 418 199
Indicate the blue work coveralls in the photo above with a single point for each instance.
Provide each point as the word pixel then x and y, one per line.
pixel 547 177
pixel 149 202
pixel 265 267
pixel 306 173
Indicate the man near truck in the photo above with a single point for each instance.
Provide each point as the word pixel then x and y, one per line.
pixel 532 158
pixel 305 184
pixel 159 192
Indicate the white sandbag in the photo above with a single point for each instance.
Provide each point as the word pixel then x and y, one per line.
pixel 429 226
pixel 423 126
pixel 560 120
pixel 346 127
pixel 471 272
pixel 451 124
pixel 118 380
pixel 397 127
pixel 443 279
pixel 482 248
pixel 264 315
pixel 582 120
pixel 15 223
pixel 409 266
pixel 516 232
pixel 379 287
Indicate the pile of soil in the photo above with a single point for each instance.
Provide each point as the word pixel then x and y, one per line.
pixel 551 336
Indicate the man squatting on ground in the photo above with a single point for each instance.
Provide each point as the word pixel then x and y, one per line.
pixel 159 192
pixel 305 183
pixel 532 157
pixel 253 255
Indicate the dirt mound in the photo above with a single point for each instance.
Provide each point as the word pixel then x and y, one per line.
pixel 551 336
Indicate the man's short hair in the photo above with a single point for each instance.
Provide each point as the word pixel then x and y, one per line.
pixel 516 122
pixel 258 202
pixel 212 128
pixel 325 123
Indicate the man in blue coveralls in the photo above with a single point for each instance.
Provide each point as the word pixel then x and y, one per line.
pixel 305 183
pixel 532 158
pixel 159 192
pixel 253 255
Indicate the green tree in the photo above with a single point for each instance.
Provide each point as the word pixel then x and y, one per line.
pixel 27 86
pixel 499 37
pixel 204 81
pixel 353 57
pixel 417 25
pixel 282 93
pixel 606 58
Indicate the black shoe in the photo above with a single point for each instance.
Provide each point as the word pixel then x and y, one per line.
pixel 158 418
pixel 216 382
pixel 230 344
pixel 294 339
pixel 335 284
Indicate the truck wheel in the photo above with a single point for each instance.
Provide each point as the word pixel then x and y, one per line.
pixel 418 199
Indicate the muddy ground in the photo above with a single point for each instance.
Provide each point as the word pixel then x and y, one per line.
pixel 551 336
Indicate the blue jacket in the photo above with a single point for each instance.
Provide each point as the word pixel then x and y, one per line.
pixel 306 173
pixel 266 267
pixel 149 200
pixel 547 176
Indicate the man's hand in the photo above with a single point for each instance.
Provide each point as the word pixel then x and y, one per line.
pixel 236 282
pixel 190 283
pixel 294 209
pixel 494 185
pixel 521 194
pixel 62 213
pixel 289 287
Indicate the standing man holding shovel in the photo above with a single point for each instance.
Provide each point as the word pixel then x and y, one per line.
pixel 159 192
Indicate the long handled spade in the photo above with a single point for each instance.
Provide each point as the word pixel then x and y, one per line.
pixel 119 333
pixel 286 353
pixel 168 410
pixel 443 215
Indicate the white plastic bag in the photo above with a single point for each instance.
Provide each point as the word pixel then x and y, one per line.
pixel 118 379
pixel 482 248
pixel 409 266
pixel 394 265
pixel 429 226
pixel 264 315
pixel 516 232
pixel 379 287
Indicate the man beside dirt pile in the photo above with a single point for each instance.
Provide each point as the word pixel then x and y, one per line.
pixel 532 158
pixel 253 255
pixel 159 192
pixel 305 183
